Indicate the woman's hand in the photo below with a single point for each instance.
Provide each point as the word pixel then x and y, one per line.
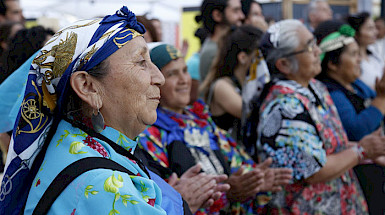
pixel 219 189
pixel 379 101
pixel 373 144
pixel 380 160
pixel 275 177
pixel 245 185
pixel 380 85
pixel 198 189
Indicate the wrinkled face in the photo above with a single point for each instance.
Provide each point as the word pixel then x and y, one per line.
pixel 380 26
pixel 233 12
pixel 131 90
pixel 309 63
pixel 176 89
pixel 322 13
pixel 14 11
pixel 349 66
pixel 367 34
pixel 255 17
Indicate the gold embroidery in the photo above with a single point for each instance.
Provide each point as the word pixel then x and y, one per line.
pixel 39 60
pixel 30 111
pixel 107 34
pixel 121 44
pixel 78 26
pixel 63 53
pixel 49 100
pixel 174 53
pixel 88 56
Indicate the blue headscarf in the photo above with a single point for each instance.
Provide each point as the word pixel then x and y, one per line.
pixel 79 47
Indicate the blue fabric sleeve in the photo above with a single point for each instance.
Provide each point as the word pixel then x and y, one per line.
pixel 356 125
pixel 171 200
pixel 113 192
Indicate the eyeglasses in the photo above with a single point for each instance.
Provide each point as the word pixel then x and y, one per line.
pixel 309 48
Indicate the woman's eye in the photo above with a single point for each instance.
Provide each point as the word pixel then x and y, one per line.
pixel 143 63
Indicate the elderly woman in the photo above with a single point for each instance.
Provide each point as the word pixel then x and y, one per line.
pixel 91 90
pixel 360 108
pixel 299 128
pixel 183 136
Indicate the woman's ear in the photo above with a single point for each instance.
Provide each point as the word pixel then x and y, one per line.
pixel 332 67
pixel 242 57
pixel 87 88
pixel 283 65
pixel 217 16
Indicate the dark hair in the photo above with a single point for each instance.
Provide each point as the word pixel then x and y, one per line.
pixel 242 39
pixel 206 16
pixel 357 20
pixel 201 33
pixel 22 46
pixel 333 57
pixel 246 5
pixel 3 7
pixel 5 32
pixel 323 30
pixel 149 27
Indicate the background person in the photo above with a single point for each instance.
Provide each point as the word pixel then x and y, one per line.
pixel 151 34
pixel 217 17
pixel 379 45
pixel 372 64
pixel 253 14
pixel 10 10
pixel 22 46
pixel 318 11
pixel 360 108
pixel 222 88
pixel 299 128
pixel 185 135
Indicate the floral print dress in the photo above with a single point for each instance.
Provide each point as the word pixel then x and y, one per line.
pixel 298 128
pixel 99 191
pixel 196 130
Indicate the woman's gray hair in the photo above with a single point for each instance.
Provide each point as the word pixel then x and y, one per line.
pixel 313 6
pixel 286 41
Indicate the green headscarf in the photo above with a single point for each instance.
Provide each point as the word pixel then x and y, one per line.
pixel 336 40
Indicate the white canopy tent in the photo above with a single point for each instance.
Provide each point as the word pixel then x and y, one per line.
pixel 165 10
pixel 59 13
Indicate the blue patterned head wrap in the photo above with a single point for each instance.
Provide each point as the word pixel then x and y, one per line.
pixel 79 47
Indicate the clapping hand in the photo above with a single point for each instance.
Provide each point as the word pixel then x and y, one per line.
pixel 275 177
pixel 245 184
pixel 198 189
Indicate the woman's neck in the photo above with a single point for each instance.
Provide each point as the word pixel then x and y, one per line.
pixel 175 110
pixel 346 84
pixel 363 52
pixel 240 74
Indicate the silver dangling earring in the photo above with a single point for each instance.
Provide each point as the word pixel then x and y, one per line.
pixel 97 121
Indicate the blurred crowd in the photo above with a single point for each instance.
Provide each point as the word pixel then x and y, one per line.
pixel 268 117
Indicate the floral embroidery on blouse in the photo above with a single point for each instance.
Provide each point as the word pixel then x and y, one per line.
pixel 198 132
pixel 298 127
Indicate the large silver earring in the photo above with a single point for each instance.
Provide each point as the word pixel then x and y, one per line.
pixel 97 121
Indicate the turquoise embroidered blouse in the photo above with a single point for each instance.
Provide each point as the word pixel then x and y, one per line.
pixel 100 191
